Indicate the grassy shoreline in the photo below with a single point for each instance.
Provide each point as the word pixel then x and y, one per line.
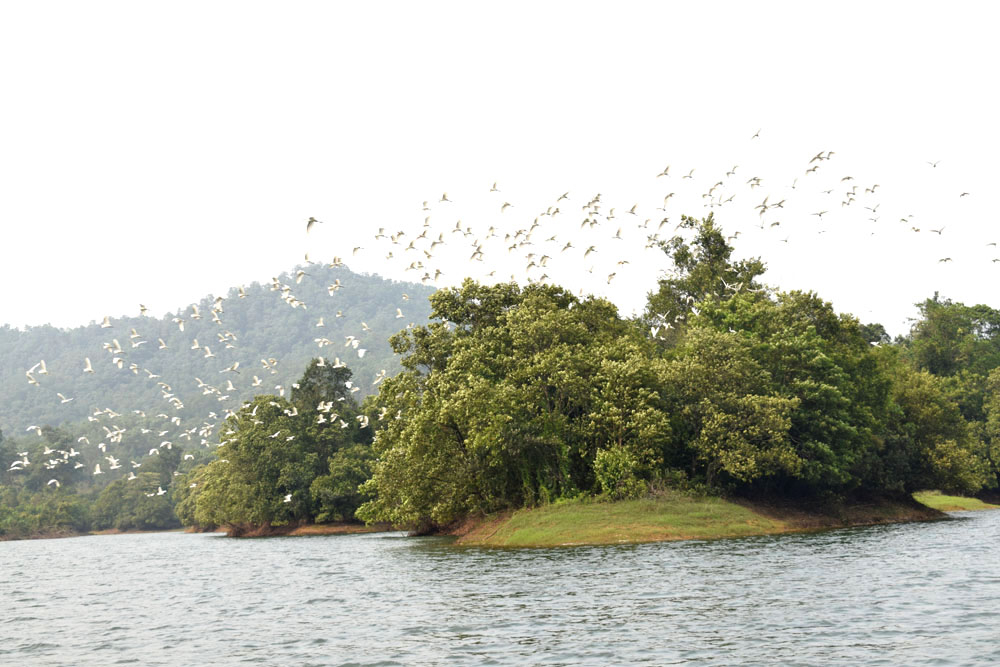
pixel 675 516
pixel 945 503
pixel 669 516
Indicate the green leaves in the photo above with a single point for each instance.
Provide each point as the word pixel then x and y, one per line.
pixel 287 461
pixel 510 407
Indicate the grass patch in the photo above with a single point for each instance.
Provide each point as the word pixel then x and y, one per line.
pixel 939 501
pixel 676 516
pixel 672 516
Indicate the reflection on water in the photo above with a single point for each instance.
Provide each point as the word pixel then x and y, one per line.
pixel 903 594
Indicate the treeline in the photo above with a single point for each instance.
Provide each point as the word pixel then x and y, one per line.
pixel 518 396
pixel 285 461
pixel 279 460
pixel 48 486
pixel 523 396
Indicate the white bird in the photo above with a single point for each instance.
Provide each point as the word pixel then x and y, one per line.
pixel 106 323
pixel 63 398
pixel 288 498
pixel 97 469
pixel 87 368
pixel 54 481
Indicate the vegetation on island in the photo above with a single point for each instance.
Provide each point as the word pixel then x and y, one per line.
pixel 522 396
pixel 514 397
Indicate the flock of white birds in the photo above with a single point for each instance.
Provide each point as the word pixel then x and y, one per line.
pixel 571 238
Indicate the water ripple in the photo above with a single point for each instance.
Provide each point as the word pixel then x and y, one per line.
pixel 915 594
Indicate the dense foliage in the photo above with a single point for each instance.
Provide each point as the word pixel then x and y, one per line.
pixel 521 396
pixel 287 461
pixel 509 402
pixel 515 396
pixel 281 461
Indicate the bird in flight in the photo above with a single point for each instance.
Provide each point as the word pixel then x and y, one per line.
pixel 310 222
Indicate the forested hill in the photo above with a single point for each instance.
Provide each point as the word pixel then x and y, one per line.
pixel 151 364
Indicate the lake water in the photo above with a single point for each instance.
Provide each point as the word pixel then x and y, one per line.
pixel 908 594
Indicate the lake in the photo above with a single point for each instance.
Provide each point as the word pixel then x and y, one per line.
pixel 905 594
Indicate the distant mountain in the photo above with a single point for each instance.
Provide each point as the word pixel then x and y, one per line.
pixel 132 371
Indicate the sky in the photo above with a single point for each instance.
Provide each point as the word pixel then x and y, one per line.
pixel 159 152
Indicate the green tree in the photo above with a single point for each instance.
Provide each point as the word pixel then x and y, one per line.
pixel 286 461
pixel 258 466
pixel 731 426
pixel 137 504
pixel 960 343
pixel 506 401
pixel 702 267
pixel 823 362
pixel 336 495
pixel 926 443
pixel 990 432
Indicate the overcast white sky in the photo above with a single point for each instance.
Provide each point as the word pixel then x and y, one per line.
pixel 158 152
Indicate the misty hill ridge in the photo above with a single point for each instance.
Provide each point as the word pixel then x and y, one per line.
pixel 269 322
